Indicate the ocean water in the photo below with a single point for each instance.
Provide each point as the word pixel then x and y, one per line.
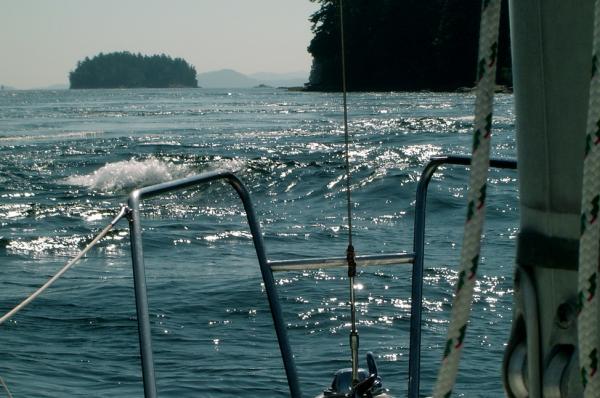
pixel 68 160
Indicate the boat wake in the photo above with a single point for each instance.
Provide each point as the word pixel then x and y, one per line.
pixel 129 174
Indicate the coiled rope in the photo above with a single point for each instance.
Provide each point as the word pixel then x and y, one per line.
pixel 469 260
pixel 65 268
pixel 587 325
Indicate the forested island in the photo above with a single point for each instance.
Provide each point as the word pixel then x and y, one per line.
pixel 401 45
pixel 127 70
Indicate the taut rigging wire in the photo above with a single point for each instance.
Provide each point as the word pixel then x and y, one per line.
pixel 350 255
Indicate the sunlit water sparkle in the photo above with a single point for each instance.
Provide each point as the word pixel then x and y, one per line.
pixel 69 158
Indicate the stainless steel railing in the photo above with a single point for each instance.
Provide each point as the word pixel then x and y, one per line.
pixel 268 267
pixel 414 355
pixel 139 279
pixel 340 262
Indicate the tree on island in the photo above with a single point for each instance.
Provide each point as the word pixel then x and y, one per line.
pixel 127 70
pixel 401 45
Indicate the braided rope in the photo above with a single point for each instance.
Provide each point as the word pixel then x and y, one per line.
pixel 590 231
pixel 461 308
pixel 123 212
pixel 5 388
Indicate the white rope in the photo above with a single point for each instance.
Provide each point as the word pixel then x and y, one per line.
pixel 5 388
pixel 64 269
pixel 589 240
pixel 461 308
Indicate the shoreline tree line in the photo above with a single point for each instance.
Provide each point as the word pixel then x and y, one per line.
pixel 401 45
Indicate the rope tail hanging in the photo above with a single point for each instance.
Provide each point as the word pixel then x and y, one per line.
pixel 122 213
pixel 461 307
pixel 5 388
pixel 590 231
pixel 350 255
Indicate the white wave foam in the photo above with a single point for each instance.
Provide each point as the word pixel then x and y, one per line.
pixel 235 165
pixel 129 174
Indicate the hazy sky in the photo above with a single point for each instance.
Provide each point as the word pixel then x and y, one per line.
pixel 42 40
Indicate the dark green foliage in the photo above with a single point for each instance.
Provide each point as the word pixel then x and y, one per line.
pixel 127 70
pixel 401 45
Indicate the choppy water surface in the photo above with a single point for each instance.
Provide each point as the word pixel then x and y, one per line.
pixel 68 159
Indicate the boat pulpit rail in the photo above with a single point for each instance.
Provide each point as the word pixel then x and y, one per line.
pixel 139 278
pixel 416 258
pixel 414 354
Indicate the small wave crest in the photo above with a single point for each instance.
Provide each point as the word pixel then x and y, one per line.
pixel 129 174
pixel 234 165
pixel 55 136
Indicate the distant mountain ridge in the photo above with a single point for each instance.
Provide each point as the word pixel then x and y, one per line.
pixel 226 78
pixel 58 86
pixel 229 78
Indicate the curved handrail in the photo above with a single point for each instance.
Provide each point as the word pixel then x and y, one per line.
pixel 414 357
pixel 141 297
pixel 265 266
